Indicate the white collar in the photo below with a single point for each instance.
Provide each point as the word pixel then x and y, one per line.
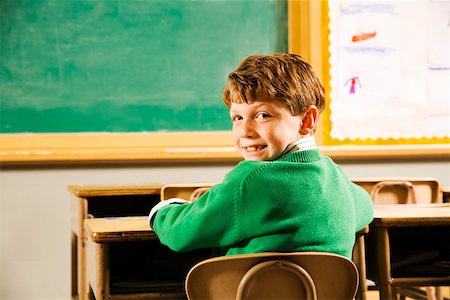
pixel 302 144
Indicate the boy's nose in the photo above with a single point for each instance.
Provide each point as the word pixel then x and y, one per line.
pixel 247 129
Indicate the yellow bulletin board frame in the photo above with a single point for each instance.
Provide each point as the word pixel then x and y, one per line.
pixel 308 21
pixel 308 36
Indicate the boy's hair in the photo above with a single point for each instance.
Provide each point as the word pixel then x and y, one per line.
pixel 284 77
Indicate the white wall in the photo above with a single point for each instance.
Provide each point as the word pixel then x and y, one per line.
pixel 34 213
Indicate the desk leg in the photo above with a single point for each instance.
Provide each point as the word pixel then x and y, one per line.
pixel 98 270
pixel 384 263
pixel 74 267
pixel 83 287
pixel 82 278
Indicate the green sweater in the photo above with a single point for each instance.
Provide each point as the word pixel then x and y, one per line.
pixel 301 202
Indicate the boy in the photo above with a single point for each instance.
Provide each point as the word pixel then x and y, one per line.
pixel 285 196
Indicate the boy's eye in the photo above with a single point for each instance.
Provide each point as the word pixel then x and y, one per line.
pixel 236 118
pixel 262 116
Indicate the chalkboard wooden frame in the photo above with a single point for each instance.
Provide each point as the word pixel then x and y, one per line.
pixel 116 147
pixel 306 20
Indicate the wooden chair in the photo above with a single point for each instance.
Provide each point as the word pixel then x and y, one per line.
pixel 298 275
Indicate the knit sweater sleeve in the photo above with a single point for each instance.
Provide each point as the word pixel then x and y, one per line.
pixel 363 207
pixel 210 221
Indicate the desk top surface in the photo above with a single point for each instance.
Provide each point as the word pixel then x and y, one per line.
pixel 137 228
pixel 114 190
pixel 412 214
pixel 119 229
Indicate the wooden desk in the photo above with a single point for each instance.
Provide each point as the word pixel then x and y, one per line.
pixel 397 228
pixel 105 235
pixel 101 201
pixel 127 261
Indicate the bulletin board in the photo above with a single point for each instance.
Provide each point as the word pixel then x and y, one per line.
pixel 389 73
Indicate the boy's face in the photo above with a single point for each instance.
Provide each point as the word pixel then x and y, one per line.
pixel 262 130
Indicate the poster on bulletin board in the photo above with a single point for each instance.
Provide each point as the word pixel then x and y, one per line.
pixel 389 74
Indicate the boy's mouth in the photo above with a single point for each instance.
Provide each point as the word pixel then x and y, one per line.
pixel 253 148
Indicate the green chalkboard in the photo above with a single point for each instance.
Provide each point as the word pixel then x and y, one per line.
pixel 127 65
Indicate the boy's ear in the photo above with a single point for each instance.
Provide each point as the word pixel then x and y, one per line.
pixel 309 120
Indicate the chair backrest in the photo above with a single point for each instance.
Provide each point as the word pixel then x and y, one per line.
pixel 272 275
pixel 187 191
pixel 401 190
pixel 385 190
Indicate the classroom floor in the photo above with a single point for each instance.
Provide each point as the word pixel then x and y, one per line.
pixel 373 295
